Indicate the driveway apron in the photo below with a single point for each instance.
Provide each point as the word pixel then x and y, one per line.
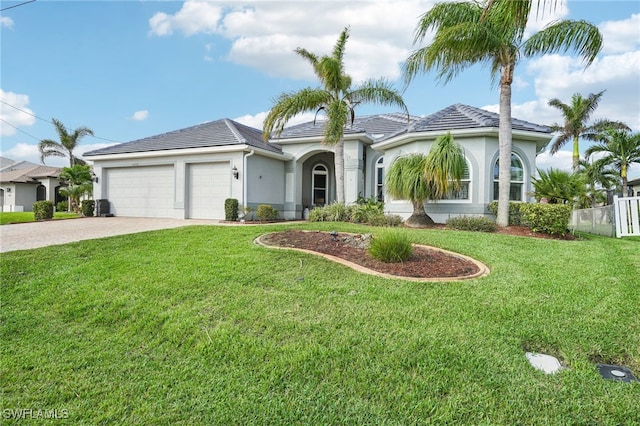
pixel 22 236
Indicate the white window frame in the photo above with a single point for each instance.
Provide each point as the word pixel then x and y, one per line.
pixel 322 170
pixel 379 173
pixel 465 180
pixel 495 180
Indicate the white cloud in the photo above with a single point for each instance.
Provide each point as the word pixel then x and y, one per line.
pixel 140 115
pixel 12 114
pixel 621 36
pixel 257 120
pixel 6 22
pixel 264 35
pixel 562 160
pixel 562 76
pixel 194 16
pixel 29 152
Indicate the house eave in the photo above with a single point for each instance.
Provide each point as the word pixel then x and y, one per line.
pixel 186 151
pixel 318 139
pixel 541 139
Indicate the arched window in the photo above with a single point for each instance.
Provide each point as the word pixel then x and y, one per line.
pixel 380 179
pixel 41 193
pixel 516 191
pixel 319 184
pixel 465 185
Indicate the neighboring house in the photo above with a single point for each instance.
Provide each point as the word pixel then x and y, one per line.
pixel 633 187
pixel 23 183
pixel 188 173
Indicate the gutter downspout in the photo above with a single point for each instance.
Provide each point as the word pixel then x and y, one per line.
pixel 244 178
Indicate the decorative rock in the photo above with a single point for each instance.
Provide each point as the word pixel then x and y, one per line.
pixel 546 363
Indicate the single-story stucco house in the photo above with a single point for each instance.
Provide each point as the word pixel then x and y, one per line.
pixel 188 173
pixel 23 183
pixel 633 188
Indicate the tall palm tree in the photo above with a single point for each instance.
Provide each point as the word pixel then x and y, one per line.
pixel 68 142
pixel 620 147
pixel 419 177
pixel 468 33
pixel 576 116
pixel 335 97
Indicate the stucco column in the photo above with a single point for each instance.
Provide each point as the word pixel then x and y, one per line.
pixel 292 191
pixel 353 171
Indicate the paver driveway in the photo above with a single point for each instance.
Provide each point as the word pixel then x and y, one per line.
pixel 22 236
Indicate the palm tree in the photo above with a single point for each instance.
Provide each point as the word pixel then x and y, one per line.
pixel 79 183
pixel 335 97
pixel 620 147
pixel 419 177
pixel 558 186
pixel 468 33
pixel 599 177
pixel 68 142
pixel 576 115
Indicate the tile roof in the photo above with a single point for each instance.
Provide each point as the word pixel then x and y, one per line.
pixel 375 126
pixel 459 116
pixel 30 175
pixel 222 132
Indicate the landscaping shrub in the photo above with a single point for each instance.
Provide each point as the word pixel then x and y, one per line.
pixel 43 210
pixel 318 214
pixel 366 212
pixel 515 217
pixel 266 212
pixel 334 212
pixel 231 209
pixel 472 223
pixel 391 247
pixel 62 206
pixel 88 207
pixel 390 220
pixel 548 218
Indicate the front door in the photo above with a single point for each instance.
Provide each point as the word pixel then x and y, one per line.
pixel 319 181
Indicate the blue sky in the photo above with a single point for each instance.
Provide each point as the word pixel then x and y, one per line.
pixel 132 69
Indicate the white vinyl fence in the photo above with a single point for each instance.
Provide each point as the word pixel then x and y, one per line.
pixel 598 220
pixel 627 216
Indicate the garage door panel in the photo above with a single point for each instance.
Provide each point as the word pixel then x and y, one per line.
pixel 141 191
pixel 209 185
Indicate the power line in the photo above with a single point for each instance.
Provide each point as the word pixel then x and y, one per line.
pixel 16 5
pixel 43 119
pixel 20 130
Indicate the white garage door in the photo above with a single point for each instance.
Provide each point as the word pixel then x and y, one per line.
pixel 208 186
pixel 141 191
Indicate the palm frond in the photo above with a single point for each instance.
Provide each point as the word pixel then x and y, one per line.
pixel 563 36
pixel 445 166
pixel 288 105
pixel 380 92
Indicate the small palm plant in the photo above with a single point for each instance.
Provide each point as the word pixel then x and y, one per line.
pixel 418 178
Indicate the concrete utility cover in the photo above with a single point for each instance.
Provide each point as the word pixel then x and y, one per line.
pixel 546 363
pixel 616 372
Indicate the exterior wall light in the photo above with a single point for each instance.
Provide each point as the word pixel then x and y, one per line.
pixel 234 172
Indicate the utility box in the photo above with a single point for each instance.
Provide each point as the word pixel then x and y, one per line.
pixel 102 208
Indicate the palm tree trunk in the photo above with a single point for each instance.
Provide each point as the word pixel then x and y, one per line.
pixel 339 170
pixel 419 218
pixel 504 143
pixel 576 154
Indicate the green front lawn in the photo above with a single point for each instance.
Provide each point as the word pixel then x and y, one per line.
pixel 22 217
pixel 199 325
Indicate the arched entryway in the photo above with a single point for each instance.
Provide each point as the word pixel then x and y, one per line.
pixel 318 180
